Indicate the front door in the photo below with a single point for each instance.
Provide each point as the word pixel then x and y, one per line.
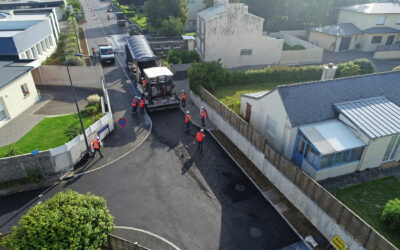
pixel 345 43
pixel 392 149
pixel 248 112
pixel 298 152
pixel 3 115
pixel 389 41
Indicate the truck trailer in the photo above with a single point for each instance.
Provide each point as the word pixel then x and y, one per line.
pixel 153 81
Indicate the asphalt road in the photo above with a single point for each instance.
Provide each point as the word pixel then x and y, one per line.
pixel 195 200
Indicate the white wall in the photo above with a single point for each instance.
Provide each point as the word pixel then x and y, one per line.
pixel 364 21
pixel 13 98
pixel 324 41
pixel 328 172
pixel 227 34
pixel 374 153
pixel 387 55
pixel 366 44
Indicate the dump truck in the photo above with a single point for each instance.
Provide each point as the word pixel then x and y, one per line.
pixel 121 19
pixel 106 54
pixel 153 81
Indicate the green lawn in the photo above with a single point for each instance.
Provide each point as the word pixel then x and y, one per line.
pixel 368 200
pixel 230 95
pixel 49 133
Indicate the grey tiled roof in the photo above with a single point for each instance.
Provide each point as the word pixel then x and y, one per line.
pixel 212 12
pixel 375 8
pixel 381 30
pixel 313 101
pixel 341 29
pixel 10 73
pixel 376 117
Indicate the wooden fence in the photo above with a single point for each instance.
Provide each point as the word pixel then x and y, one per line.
pixel 342 215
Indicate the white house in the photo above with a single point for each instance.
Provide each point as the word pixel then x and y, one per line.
pixel 28 37
pixel 365 27
pixel 334 127
pixel 17 90
pixel 58 5
pixel 227 31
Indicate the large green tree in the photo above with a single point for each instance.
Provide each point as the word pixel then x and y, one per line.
pixel 298 14
pixel 160 10
pixel 68 220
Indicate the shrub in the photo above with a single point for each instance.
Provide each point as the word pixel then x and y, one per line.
pixel 171 27
pixel 294 47
pixel 93 99
pixel 366 66
pixel 391 214
pixel 74 61
pixel 72 131
pixel 92 109
pixel 68 220
pixel 210 75
pixel 349 69
pixel 11 152
pixel 396 68
pixel 174 60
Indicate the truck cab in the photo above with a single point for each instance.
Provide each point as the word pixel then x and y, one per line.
pixel 106 54
pixel 121 19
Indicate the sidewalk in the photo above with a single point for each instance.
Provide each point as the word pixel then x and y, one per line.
pixel 14 129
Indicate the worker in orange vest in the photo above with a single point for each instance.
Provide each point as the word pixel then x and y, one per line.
pixel 141 105
pixel 96 146
pixel 187 121
pixel 108 17
pixel 203 115
pixel 199 138
pixel 183 98
pixel 135 104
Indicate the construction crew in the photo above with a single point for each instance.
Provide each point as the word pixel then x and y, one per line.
pixel 96 144
pixel 203 114
pixel 141 105
pixel 135 104
pixel 183 98
pixel 187 121
pixel 199 138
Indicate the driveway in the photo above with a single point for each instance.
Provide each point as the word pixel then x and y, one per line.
pixel 345 56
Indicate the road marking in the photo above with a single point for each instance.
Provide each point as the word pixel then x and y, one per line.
pixel 150 233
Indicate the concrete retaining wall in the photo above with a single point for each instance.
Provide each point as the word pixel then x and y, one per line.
pixel 323 210
pixel 56 160
pixel 82 76
pixel 387 55
pixel 117 243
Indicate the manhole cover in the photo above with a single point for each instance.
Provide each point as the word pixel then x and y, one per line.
pixel 240 187
pixel 255 232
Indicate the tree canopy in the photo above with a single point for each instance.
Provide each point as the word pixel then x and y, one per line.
pixel 68 220
pixel 298 14
pixel 160 10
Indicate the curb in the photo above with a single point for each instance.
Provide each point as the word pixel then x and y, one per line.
pixel 276 208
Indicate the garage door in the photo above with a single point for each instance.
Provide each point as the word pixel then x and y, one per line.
pixel 3 115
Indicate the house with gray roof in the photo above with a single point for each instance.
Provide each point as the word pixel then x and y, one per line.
pixel 334 127
pixel 17 90
pixel 28 36
pixel 364 27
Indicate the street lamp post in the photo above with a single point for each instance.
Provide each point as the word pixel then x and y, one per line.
pixel 76 101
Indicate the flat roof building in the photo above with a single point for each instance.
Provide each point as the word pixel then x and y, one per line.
pixel 58 5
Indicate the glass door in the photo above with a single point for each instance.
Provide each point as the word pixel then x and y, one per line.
pixel 393 148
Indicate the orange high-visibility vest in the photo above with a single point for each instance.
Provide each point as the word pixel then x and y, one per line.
pixel 141 103
pixel 96 144
pixel 134 103
pixel 183 96
pixel 187 118
pixel 203 113
pixel 200 136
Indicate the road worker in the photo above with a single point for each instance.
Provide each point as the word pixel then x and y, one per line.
pixel 96 144
pixel 203 115
pixel 141 105
pixel 94 52
pixel 199 138
pixel 108 17
pixel 135 104
pixel 183 98
pixel 187 121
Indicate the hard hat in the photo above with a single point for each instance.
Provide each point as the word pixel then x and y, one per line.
pixel 202 130
pixel 183 90
pixel 98 138
pixel 202 107
pixel 136 96
pixel 187 112
pixel 139 98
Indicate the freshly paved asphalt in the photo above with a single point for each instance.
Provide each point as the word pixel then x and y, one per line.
pixel 195 200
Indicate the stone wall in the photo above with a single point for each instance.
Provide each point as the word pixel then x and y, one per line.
pixel 322 209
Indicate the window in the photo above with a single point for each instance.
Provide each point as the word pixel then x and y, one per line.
pixel 28 54
pixel 34 55
pixel 47 43
pixel 43 46
pixel 380 20
pixel 25 90
pixel 246 52
pixel 376 39
pixel 38 49
pixel 271 126
pixel 51 40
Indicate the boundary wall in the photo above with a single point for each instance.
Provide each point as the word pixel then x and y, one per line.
pixel 322 209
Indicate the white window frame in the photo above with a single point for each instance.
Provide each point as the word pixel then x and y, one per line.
pixel 38 49
pixel 246 52
pixel 34 52
pixel 51 40
pixel 381 20
pixel 43 45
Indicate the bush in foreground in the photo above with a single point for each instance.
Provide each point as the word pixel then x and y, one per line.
pixel 391 214
pixel 68 220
